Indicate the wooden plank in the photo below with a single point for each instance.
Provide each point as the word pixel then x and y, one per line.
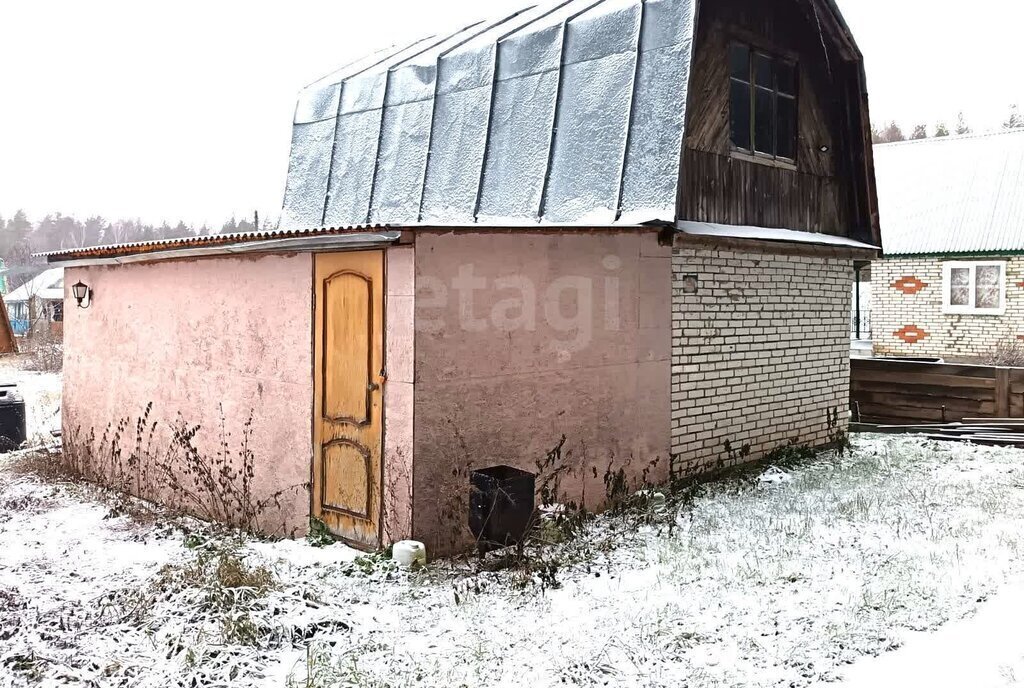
pixel 984 429
pixel 1002 392
pixel 936 379
pixel 893 366
pixel 961 406
pixel 879 428
pixel 901 413
pixel 933 391
pixel 993 442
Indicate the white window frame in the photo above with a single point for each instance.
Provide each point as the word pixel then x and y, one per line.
pixel 972 265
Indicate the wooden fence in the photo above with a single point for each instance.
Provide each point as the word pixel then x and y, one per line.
pixel 901 392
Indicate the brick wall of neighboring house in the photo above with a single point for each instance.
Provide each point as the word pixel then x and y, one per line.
pixel 907 315
pixel 760 353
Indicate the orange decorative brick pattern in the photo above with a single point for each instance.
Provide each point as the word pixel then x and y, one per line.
pixel 908 284
pixel 911 334
pixel 950 335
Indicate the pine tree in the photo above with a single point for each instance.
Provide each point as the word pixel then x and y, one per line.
pixel 893 133
pixel 1015 119
pixel 920 132
pixel 20 225
pixel 941 130
pixel 961 125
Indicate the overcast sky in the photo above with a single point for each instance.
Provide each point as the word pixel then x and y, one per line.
pixel 182 110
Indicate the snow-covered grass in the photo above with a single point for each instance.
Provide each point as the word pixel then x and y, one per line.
pixel 781 578
pixel 41 392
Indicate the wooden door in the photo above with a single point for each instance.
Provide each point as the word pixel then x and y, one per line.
pixel 348 375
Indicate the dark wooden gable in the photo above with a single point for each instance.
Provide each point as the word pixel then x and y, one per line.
pixel 829 186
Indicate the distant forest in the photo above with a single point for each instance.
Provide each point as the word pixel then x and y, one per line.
pixel 892 132
pixel 20 237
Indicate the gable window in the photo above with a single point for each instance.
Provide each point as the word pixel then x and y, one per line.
pixel 978 288
pixel 762 103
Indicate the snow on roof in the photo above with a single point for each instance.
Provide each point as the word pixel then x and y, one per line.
pixel 711 229
pixel 565 113
pixel 948 195
pixel 48 285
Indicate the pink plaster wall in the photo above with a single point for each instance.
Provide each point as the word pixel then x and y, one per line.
pixel 400 297
pixel 556 334
pixel 200 339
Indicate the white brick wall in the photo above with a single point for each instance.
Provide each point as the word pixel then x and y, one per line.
pixel 760 354
pixel 951 336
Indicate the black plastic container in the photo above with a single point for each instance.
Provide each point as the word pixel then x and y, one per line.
pixel 12 418
pixel 500 505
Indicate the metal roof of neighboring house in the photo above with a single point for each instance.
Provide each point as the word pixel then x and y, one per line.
pixel 48 285
pixel 951 195
pixel 566 113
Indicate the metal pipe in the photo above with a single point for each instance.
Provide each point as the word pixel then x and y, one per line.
pixel 856 317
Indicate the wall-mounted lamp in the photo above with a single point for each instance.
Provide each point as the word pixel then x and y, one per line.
pixel 82 294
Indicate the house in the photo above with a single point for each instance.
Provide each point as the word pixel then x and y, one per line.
pixel 600 241
pixel 40 300
pixel 951 284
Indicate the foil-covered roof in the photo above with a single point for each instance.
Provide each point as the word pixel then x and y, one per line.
pixel 567 113
pixel 956 194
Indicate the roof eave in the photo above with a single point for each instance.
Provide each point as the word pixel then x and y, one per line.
pixel 328 242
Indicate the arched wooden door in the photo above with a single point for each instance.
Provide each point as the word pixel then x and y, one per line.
pixel 348 374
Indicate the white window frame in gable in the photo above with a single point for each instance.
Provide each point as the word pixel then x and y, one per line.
pixel 972 265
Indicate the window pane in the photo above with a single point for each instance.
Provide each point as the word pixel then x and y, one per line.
pixel 739 114
pixel 764 71
pixel 786 76
pixel 960 287
pixel 739 62
pixel 785 144
pixel 764 121
pixel 988 278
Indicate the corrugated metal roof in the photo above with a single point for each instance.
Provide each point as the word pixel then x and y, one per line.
pixel 566 113
pixel 952 194
pixel 202 241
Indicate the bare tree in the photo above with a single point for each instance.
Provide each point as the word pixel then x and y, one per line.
pixel 962 127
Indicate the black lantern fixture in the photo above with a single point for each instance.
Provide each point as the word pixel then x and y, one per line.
pixel 82 294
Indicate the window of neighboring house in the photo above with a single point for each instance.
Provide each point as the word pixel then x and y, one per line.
pixel 978 288
pixel 762 103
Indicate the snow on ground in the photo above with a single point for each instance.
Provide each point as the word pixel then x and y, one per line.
pixel 982 651
pixel 783 581
pixel 41 392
